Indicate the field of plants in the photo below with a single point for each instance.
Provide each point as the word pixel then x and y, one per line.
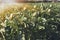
pixel 32 21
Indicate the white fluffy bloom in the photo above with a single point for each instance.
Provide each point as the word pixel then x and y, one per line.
pixel 34 14
pixel 4 23
pixel 24 8
pixel 2 30
pixel 25 18
pixel 41 27
pixel 50 5
pixel 49 10
pixel 34 6
pixel 44 20
pixel 11 16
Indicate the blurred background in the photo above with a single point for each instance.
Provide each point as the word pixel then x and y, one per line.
pixel 12 1
pixel 35 20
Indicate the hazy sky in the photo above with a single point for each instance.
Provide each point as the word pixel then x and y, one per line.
pixel 7 1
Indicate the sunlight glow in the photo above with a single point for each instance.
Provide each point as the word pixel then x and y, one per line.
pixel 4 4
pixel 7 1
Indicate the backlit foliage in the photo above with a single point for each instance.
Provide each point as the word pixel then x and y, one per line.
pixel 31 22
